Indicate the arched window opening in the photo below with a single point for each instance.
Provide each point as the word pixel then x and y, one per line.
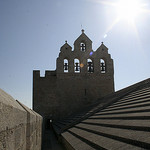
pixel 76 65
pixel 102 66
pixel 90 66
pixel 65 65
pixel 82 47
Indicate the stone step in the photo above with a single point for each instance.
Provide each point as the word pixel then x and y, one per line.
pixel 122 135
pixel 76 142
pixel 121 101
pixel 126 115
pixel 128 106
pixel 131 100
pixel 141 125
pixel 135 93
pixel 103 140
pixel 146 99
pixel 132 95
pixel 135 128
pixel 128 110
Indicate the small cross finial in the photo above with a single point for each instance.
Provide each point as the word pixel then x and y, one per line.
pixel 66 41
pixel 82 30
pixel 102 42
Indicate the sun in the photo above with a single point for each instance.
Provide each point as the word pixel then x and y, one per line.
pixel 128 9
pixel 129 12
pixel 125 11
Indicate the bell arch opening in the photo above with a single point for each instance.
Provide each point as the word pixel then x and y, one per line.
pixel 66 66
pixel 90 66
pixel 76 65
pixel 102 66
pixel 82 46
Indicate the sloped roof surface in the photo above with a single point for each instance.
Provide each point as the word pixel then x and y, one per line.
pixel 123 124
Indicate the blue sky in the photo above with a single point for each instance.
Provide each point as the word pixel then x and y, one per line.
pixel 32 32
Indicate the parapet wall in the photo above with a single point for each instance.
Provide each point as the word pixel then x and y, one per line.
pixel 20 127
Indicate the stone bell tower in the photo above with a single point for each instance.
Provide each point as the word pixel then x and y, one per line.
pixel 81 77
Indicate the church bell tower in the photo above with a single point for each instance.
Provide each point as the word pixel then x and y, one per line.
pixel 82 76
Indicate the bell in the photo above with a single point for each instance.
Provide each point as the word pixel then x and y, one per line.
pixel 90 67
pixel 102 69
pixel 82 46
pixel 76 66
pixel 89 64
pixel 102 66
pixel 66 66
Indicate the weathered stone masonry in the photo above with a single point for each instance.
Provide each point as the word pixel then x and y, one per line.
pixel 81 77
pixel 20 127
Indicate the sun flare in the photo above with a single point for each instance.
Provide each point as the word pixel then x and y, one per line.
pixel 128 9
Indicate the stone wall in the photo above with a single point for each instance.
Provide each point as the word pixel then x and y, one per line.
pixel 20 127
pixel 55 97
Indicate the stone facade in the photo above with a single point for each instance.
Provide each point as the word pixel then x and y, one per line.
pixel 20 127
pixel 81 77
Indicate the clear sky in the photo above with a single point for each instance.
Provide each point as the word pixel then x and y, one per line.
pixel 32 32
